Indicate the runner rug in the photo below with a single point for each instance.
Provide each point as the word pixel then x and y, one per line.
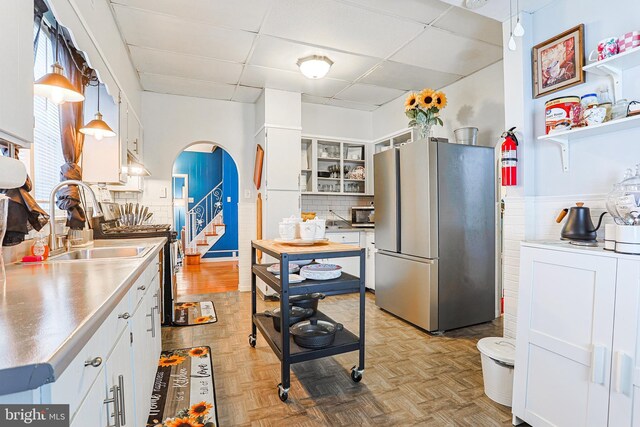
pixel 194 313
pixel 184 392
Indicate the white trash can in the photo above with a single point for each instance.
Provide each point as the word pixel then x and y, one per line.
pixel 498 356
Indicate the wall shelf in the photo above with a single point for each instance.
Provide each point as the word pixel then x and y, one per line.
pixel 614 66
pixel 565 137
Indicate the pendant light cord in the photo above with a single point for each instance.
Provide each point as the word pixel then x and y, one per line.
pixel 511 17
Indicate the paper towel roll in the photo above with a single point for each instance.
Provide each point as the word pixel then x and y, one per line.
pixel 12 173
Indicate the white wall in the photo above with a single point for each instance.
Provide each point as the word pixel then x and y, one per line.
pixel 94 31
pixel 330 121
pixel 476 100
pixel 172 123
pixel 596 162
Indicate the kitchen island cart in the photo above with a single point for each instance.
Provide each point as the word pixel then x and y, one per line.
pixel 282 344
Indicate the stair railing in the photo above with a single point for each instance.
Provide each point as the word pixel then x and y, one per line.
pixel 201 215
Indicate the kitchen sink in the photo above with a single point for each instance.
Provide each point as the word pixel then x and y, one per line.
pixel 104 253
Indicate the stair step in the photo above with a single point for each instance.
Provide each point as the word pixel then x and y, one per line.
pixel 211 233
pixel 202 243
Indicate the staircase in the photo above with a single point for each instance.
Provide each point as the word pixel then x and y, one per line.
pixel 204 224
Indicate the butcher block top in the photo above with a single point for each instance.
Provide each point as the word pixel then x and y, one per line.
pixel 276 249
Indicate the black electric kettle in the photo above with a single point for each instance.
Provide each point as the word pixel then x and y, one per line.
pixel 578 225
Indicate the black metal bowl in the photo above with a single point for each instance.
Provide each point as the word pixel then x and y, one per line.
pixel 314 333
pixel 296 314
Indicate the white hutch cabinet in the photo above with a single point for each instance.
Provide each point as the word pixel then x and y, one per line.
pixel 577 344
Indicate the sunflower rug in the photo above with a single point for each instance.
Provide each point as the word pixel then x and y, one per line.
pixel 194 313
pixel 184 393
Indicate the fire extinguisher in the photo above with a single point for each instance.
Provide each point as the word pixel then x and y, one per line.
pixel 509 158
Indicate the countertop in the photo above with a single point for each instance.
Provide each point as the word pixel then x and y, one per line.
pixel 48 311
pixel 565 246
pixel 345 229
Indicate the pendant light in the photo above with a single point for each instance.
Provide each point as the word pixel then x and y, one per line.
pixel 518 31
pixel 97 127
pixel 55 86
pixel 512 41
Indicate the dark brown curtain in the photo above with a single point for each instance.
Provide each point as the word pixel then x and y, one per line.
pixel 23 211
pixel 71 120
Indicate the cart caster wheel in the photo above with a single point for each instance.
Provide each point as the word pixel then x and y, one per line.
pixel 283 394
pixel 356 375
pixel 252 341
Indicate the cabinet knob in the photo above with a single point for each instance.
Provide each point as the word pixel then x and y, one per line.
pixel 95 362
pixel 124 316
pixel 142 288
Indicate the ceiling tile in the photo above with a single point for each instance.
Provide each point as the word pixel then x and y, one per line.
pixel 368 94
pixel 472 25
pixel 440 50
pixel 186 87
pixel 292 81
pixel 499 10
pixel 424 11
pixel 243 15
pixel 167 33
pixel 310 99
pixel 352 105
pixel 246 94
pixel 282 54
pixel 408 77
pixel 339 26
pixel 188 66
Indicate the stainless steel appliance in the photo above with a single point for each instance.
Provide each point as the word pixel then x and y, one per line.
pixel 363 216
pixel 109 226
pixel 435 233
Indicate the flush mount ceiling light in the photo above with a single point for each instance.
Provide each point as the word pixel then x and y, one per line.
pixel 314 66
pixel 97 127
pixel 475 4
pixel 55 86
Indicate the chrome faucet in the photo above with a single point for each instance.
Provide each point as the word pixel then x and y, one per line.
pixel 97 211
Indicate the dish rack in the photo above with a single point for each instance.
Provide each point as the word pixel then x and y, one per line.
pixel 282 344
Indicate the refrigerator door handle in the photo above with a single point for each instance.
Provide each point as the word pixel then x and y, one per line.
pixel 408 257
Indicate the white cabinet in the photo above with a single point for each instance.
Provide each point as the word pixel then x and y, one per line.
pixel 326 165
pixel 349 265
pixel 577 338
pixel 624 402
pixel 16 74
pixel 367 241
pixel 102 160
pixel 93 411
pixel 119 361
pixel 120 381
pixel 282 159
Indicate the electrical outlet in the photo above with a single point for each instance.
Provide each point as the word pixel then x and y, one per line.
pixel 228 199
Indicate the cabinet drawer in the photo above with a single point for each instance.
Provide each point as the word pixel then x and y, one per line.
pixel 117 321
pixel 352 238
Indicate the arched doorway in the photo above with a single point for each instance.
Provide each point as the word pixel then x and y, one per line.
pixel 205 191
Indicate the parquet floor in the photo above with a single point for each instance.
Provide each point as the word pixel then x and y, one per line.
pixel 411 378
pixel 207 277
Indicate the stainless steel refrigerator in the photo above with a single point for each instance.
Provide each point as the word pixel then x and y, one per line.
pixel 435 233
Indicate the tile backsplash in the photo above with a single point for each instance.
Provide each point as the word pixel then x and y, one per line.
pixel 341 205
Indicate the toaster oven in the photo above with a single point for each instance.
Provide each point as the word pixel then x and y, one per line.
pixel 363 216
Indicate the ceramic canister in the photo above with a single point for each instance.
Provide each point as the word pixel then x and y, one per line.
pixel 610 237
pixel 628 239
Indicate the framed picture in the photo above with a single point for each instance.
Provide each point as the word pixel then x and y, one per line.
pixel 557 62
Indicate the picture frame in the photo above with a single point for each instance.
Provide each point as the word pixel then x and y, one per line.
pixel 557 63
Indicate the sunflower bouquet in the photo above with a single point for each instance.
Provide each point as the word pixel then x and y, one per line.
pixel 424 109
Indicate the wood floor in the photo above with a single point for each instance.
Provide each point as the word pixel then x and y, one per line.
pixel 411 377
pixel 207 277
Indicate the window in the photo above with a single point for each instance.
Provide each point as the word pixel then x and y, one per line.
pixel 47 149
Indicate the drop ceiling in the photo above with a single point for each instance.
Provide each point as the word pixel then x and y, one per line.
pixel 231 50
